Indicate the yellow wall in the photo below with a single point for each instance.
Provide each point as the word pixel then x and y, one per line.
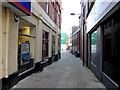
pixel 0 41
pixel 38 43
pixel 9 37
pixel 5 35
pixel 9 42
pixel 50 43
pixel 13 45
pixel 32 42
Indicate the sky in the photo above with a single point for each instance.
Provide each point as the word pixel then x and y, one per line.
pixel 69 6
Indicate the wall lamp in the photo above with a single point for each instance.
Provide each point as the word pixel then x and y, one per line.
pixel 75 14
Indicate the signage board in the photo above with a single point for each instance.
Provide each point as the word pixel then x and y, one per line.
pixel 23 5
pixel 63 38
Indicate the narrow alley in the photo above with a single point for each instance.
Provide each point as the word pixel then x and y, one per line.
pixel 68 72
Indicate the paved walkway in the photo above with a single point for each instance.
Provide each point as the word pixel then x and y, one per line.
pixel 68 72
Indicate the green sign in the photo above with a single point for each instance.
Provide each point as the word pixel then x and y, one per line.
pixel 93 41
pixel 63 38
pixel 93 38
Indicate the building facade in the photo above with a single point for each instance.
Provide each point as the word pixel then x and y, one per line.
pixel 30 35
pixel 101 39
pixel 70 42
pixel 76 40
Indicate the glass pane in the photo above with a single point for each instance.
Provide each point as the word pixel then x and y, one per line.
pixel 93 46
pixel 25 30
pixel 53 45
pixel 25 52
pixel 26 48
pixel 45 45
pixel 59 45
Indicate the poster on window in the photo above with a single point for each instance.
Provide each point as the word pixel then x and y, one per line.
pixel 25 51
pixel 93 41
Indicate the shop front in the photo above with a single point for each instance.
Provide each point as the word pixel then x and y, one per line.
pixel 103 44
pixel 28 39
pixel 13 36
pixel 111 48
pixel 95 53
pixel 26 46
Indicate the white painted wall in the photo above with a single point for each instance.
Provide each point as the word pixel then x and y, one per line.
pixel 99 10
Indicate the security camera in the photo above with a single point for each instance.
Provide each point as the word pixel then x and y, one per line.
pixel 16 17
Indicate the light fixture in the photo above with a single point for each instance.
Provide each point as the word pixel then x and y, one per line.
pixel 75 13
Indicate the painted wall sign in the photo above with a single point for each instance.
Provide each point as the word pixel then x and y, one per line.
pixel 24 6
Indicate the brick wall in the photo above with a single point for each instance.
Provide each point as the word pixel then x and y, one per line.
pixel 54 11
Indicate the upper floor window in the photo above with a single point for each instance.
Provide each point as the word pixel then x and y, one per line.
pixel 53 13
pixel 47 7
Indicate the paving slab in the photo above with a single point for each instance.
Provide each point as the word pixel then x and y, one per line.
pixel 68 72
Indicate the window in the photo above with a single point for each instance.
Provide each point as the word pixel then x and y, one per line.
pixel 26 42
pixel 53 45
pixel 59 45
pixel 93 47
pixel 111 62
pixel 45 45
pixel 53 12
pixel 47 7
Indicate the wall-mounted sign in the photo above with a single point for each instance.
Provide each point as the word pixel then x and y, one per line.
pixel 22 5
pixel 25 51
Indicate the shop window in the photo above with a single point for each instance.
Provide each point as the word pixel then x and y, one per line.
pixel 53 13
pixel 117 61
pixel 45 45
pixel 93 47
pixel 47 6
pixel 53 45
pixel 59 45
pixel 111 62
pixel 108 27
pixel 25 48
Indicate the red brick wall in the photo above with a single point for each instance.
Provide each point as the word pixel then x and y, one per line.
pixel 50 9
pixel 43 5
pixel 76 41
pixel 57 11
